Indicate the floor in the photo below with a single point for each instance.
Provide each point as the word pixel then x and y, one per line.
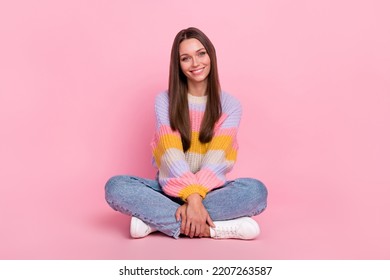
pixel 71 225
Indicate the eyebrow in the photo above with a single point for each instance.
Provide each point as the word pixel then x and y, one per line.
pixel 196 51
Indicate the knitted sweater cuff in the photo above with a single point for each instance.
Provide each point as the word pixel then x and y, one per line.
pixel 187 191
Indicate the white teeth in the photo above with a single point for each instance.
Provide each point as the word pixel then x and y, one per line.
pixel 197 71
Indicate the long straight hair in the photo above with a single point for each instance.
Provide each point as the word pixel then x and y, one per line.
pixel 179 116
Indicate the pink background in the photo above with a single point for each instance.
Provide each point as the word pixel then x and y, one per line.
pixel 77 83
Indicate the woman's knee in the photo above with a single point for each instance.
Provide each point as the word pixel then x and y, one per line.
pixel 253 186
pixel 256 191
pixel 261 189
pixel 115 187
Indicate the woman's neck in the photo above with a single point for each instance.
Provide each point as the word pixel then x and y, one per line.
pixel 197 89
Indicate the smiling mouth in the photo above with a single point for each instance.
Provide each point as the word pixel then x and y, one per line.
pixel 197 71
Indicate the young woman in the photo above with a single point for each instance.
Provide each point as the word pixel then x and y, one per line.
pixel 194 147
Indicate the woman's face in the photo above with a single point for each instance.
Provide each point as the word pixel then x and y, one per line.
pixel 194 60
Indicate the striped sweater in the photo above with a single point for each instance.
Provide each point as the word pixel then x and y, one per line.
pixel 204 166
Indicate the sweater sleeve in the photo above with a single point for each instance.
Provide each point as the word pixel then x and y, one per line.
pixel 175 176
pixel 222 150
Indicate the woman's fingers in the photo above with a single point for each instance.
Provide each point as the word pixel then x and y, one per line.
pixel 182 215
pixel 193 230
pixel 183 224
pixel 202 230
pixel 198 230
pixel 187 228
pixel 210 221
pixel 178 214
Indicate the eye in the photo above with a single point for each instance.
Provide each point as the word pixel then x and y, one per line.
pixel 185 58
pixel 202 53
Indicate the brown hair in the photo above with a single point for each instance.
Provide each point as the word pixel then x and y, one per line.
pixel 179 116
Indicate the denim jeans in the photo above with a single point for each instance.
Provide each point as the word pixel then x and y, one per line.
pixel 144 199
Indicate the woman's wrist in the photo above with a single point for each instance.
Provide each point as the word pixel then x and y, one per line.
pixel 193 198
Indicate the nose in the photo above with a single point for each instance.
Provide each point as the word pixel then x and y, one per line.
pixel 195 62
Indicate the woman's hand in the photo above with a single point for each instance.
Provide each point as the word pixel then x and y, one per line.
pixel 181 213
pixel 196 220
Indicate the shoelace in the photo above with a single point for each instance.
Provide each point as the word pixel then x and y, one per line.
pixel 226 231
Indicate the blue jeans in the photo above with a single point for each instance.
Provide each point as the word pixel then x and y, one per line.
pixel 144 199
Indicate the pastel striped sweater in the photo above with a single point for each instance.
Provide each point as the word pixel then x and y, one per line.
pixel 204 166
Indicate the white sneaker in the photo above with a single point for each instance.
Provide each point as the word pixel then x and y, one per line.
pixel 139 229
pixel 240 228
